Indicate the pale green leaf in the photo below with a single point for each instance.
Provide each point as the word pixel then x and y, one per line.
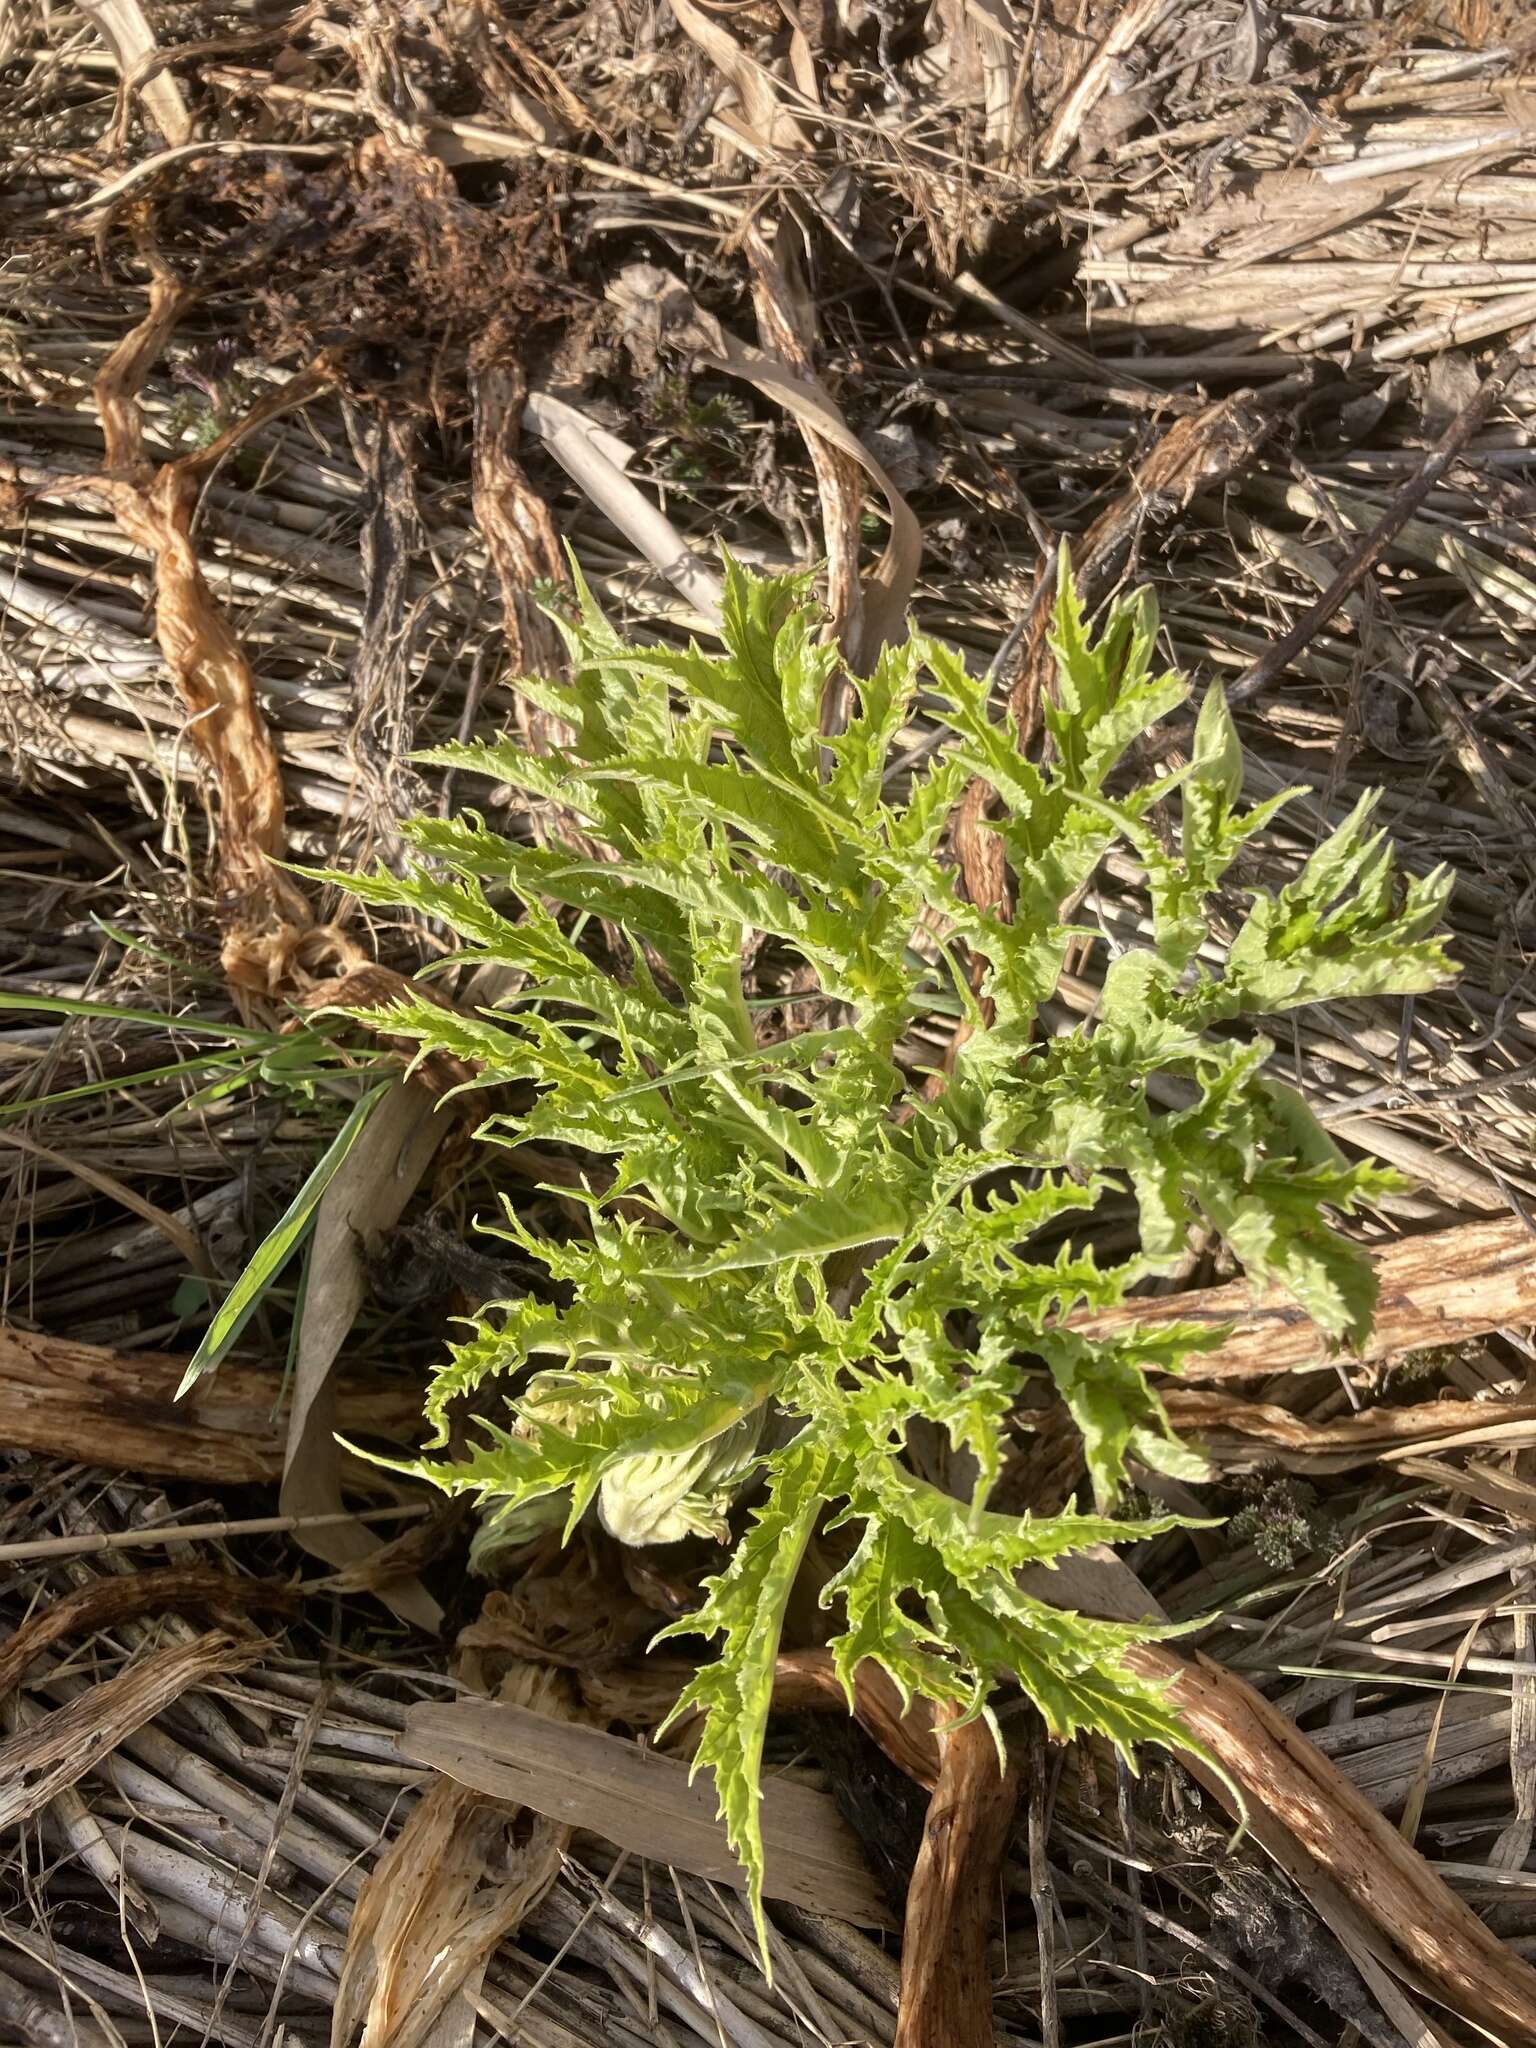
pixel 824 1181
pixel 744 1607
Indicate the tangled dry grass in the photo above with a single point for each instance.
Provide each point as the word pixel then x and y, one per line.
pixel 326 329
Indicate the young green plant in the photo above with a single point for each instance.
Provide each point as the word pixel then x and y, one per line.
pixel 800 1263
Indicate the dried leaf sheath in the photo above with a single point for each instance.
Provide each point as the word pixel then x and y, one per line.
pixel 797 1256
pixel 264 915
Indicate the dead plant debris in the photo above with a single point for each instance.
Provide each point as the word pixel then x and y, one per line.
pixel 329 329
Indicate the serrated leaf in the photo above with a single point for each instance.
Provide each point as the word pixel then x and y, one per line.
pixel 822 1222
pixel 1110 1396
pixel 744 1607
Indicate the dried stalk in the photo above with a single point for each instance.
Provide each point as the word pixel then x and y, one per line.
pixel 1313 1821
pixel 946 1985
pixel 268 926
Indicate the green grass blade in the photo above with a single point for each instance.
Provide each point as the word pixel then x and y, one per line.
pixel 117 1013
pixel 275 1250
pixel 120 1084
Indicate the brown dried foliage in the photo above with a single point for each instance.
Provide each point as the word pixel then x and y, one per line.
pixel 1316 1825
pixel 177 1589
pixel 118 1410
pixel 455 1882
pixel 377 262
pixel 265 917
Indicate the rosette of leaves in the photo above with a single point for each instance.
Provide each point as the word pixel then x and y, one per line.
pixel 799 1256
